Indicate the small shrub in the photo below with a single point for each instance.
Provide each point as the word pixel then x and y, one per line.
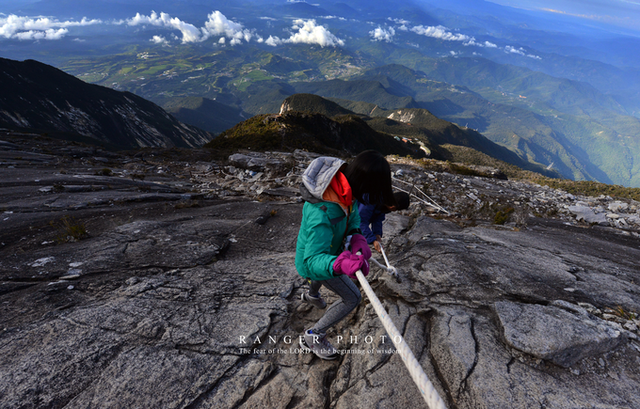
pixel 503 215
pixel 140 176
pixel 69 230
pixel 627 315
pixel 463 170
pixel 185 204
pixel 104 172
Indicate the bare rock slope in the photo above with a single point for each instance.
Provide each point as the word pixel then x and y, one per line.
pixel 166 280
pixel 40 97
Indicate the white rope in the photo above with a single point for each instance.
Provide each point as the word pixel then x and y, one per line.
pixel 434 205
pixel 429 393
pixel 389 269
pixel 429 202
pixel 377 263
pixel 392 270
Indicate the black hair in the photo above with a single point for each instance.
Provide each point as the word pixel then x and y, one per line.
pixel 369 173
pixel 402 200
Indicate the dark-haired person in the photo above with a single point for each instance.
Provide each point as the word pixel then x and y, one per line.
pixel 330 237
pixel 372 215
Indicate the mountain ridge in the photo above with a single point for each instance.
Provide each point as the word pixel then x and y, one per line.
pixel 342 135
pixel 204 113
pixel 311 122
pixel 38 97
pixel 551 140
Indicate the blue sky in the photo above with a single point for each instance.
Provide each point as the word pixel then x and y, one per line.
pixel 622 13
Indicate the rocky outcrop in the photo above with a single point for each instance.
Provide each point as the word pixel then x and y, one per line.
pixel 312 103
pixel 182 292
pixel 560 333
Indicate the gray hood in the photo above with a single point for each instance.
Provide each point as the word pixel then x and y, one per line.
pixel 317 177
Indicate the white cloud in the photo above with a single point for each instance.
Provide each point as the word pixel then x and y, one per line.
pixel 441 33
pixel 398 21
pixel 486 44
pixel 273 41
pixel 311 33
pixel 230 32
pixel 219 24
pixel 216 25
pixel 41 28
pixel 512 50
pixel 308 32
pixel 403 23
pixel 49 34
pixel 159 40
pixel 334 18
pixel 383 34
pixel 190 33
pixel 520 51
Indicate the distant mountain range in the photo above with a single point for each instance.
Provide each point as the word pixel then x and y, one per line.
pixel 562 124
pixel 39 98
pixel 556 89
pixel 581 137
pixel 307 121
pixel 36 97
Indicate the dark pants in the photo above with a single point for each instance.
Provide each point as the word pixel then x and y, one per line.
pixel 349 299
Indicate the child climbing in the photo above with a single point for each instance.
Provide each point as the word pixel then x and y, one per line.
pixel 372 215
pixel 330 238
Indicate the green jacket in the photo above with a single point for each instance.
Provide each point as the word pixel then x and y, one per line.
pixel 324 225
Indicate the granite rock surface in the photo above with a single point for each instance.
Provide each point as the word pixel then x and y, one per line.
pixel 165 279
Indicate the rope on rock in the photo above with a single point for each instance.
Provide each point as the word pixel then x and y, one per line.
pixel 428 201
pixel 385 268
pixel 389 269
pixel 392 270
pixel 429 393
